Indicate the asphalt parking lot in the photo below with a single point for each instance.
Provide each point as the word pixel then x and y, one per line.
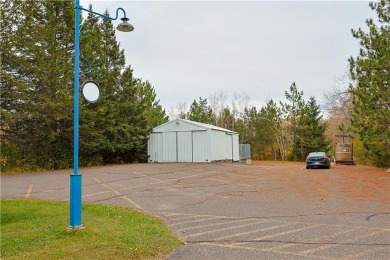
pixel 236 211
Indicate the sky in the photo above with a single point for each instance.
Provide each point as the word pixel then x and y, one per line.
pixel 192 49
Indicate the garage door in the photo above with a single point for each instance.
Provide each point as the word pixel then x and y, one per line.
pixel 200 147
pixel 169 147
pixel 184 147
pixel 155 147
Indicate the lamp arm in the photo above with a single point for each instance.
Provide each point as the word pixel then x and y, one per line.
pixel 86 21
pixel 98 15
pixel 101 15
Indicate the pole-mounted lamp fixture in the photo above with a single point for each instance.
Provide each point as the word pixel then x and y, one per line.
pixel 91 92
pixel 124 26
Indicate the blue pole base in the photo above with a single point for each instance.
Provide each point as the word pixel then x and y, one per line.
pixel 72 229
pixel 75 202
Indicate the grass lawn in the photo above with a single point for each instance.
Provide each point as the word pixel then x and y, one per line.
pixel 37 230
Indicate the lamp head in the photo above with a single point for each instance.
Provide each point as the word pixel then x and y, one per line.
pixel 124 26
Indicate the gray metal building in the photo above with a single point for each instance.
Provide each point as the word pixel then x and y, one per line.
pixel 183 140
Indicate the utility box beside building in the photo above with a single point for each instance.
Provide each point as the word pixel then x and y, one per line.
pixel 245 154
pixel 183 140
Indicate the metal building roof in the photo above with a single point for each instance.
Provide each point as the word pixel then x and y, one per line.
pixel 197 124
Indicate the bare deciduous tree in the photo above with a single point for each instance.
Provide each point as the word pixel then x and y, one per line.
pixel 338 101
pixel 239 103
pixel 338 104
pixel 218 102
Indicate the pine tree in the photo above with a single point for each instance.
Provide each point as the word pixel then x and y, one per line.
pixel 226 119
pixel 103 62
pixel 264 145
pixel 37 51
pixel 201 112
pixel 131 129
pixel 271 115
pixel 153 112
pixel 371 96
pixel 312 131
pixel 305 125
pixel 263 130
pixel 292 111
pixel 37 82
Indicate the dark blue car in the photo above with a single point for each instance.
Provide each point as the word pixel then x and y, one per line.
pixel 317 160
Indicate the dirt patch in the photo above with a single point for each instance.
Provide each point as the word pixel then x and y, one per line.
pixel 354 183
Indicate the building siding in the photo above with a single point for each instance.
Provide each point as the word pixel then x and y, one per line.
pixel 187 141
pixel 236 148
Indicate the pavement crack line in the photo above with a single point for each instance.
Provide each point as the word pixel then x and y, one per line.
pixel 371 216
pixel 118 193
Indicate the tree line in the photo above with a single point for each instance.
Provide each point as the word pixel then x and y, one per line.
pixel 37 45
pixel 277 131
pixel 37 91
pixel 359 104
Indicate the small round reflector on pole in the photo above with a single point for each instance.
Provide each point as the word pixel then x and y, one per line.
pixel 90 91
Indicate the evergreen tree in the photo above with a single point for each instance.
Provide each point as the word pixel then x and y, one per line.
pixel 311 131
pixel 201 112
pixel 305 125
pixel 153 112
pixel 371 96
pixel 131 125
pixel 94 118
pixel 37 51
pixel 272 115
pixel 241 126
pixel 248 125
pixel 37 81
pixel 227 119
pixel 263 130
pixel 292 111
pixel 102 137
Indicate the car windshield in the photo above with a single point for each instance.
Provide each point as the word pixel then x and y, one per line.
pixel 317 154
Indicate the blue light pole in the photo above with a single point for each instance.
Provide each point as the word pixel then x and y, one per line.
pixel 76 177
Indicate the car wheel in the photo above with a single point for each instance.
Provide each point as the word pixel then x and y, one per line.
pixel 307 167
pixel 328 167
